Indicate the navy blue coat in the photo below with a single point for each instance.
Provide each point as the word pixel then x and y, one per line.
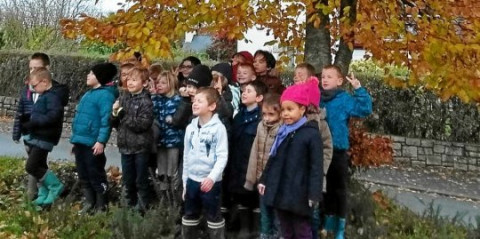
pixel 244 130
pixel 47 118
pixel 295 174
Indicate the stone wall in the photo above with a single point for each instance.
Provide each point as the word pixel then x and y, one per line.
pixel 426 152
pixel 413 151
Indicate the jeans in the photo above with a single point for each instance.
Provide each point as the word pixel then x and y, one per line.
pixel 135 179
pixel 90 168
pixel 196 200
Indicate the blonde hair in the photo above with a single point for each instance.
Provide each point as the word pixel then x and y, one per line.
pixel 41 73
pixel 172 82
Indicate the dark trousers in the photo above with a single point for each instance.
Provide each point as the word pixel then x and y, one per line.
pixel 135 178
pixel 337 177
pixel 294 225
pixel 209 202
pixel 90 168
pixel 37 162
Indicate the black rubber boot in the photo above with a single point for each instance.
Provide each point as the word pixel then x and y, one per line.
pixel 89 203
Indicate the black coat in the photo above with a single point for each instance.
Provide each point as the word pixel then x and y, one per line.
pixel 295 174
pixel 134 123
pixel 244 130
pixel 46 120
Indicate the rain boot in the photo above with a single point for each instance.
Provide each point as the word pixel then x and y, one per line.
pixel 216 230
pixel 340 230
pixel 255 233
pixel 190 228
pixel 42 195
pixel 101 202
pixel 330 223
pixel 89 203
pixel 32 187
pixel 54 186
pixel 244 217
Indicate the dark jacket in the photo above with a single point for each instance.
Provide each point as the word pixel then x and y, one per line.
pixel 25 104
pixel 134 123
pixel 295 174
pixel 91 123
pixel 46 120
pixel 244 130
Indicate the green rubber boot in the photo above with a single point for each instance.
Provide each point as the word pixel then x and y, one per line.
pixel 54 186
pixel 42 195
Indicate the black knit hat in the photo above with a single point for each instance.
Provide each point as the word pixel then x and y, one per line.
pixel 200 76
pixel 104 72
pixel 225 69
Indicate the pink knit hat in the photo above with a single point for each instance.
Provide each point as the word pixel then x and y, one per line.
pixel 305 93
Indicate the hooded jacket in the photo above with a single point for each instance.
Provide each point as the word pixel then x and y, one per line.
pixel 205 151
pixel 91 123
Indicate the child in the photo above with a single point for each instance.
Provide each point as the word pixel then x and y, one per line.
pixel 340 107
pixel 132 115
pixel 245 74
pixel 124 73
pixel 264 64
pixel 239 58
pixel 266 132
pixel 44 125
pixel 205 157
pixel 303 71
pixel 90 133
pixel 291 182
pixel 170 138
pixel 244 131
pixel 26 100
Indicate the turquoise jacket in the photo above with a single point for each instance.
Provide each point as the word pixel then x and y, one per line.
pixel 91 123
pixel 340 109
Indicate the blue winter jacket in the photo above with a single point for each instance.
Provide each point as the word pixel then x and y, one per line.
pixel 91 123
pixel 340 109
pixel 163 107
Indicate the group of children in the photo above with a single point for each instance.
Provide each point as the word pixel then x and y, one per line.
pixel 250 147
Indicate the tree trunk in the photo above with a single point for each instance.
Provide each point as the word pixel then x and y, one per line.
pixel 344 54
pixel 317 42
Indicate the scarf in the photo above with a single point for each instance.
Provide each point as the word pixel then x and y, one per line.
pixel 283 132
pixel 328 95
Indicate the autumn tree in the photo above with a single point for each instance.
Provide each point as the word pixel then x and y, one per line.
pixel 435 39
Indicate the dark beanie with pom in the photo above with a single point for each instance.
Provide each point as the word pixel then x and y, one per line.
pixel 104 72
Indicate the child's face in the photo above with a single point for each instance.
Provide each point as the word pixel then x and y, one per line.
pixel 186 68
pixel 301 75
pixel 237 59
pixel 162 86
pixel 124 74
pixel 200 106
pixel 135 84
pixel 260 64
pixel 39 85
pixel 245 75
pixel 191 91
pixel 218 85
pixel 292 112
pixel 269 115
pixel 35 64
pixel 331 79
pixel 249 96
pixel 92 80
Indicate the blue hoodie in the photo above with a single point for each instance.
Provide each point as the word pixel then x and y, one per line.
pixel 340 109
pixel 206 151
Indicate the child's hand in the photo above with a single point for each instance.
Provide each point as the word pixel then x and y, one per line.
pixel 261 189
pixel 206 185
pixel 175 70
pixel 116 105
pixel 98 148
pixel 312 204
pixel 183 91
pixel 354 81
pixel 168 119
